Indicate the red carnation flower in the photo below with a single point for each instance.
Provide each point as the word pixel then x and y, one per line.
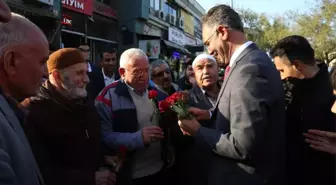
pixel 152 94
pixel 164 105
pixel 123 151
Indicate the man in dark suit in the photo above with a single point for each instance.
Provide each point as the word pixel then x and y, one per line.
pixel 20 74
pixel 192 161
pixel 96 77
pixel 109 65
pixel 247 138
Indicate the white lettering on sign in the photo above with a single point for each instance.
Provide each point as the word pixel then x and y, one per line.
pixel 176 36
pixel 74 3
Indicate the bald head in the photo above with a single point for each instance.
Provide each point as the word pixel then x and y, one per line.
pixel 23 52
pixel 19 30
pixel 5 14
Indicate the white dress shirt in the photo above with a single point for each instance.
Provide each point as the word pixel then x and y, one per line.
pixel 239 51
pixel 107 79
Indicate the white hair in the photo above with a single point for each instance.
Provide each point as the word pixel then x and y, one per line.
pixel 19 30
pixel 126 56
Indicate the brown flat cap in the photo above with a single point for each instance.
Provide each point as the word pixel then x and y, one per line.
pixel 64 58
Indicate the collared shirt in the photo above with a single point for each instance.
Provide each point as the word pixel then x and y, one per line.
pixel 89 67
pixel 132 89
pixel 107 79
pixel 239 51
pixel 212 100
pixel 18 109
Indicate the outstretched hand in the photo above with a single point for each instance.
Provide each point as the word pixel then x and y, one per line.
pixel 321 140
pixel 199 113
pixel 189 127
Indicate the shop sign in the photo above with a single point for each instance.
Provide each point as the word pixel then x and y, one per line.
pixel 81 6
pixel 152 30
pixel 176 36
pixel 48 2
pixel 189 41
pixel 66 20
pixel 104 10
pixel 150 47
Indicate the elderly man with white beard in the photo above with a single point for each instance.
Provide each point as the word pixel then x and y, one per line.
pixel 63 129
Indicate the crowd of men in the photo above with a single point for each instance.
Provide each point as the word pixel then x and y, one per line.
pixel 264 123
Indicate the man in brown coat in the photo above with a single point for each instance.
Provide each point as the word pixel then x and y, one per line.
pixel 63 129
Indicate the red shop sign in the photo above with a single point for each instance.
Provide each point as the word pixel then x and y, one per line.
pixel 81 6
pixel 104 10
pixel 66 20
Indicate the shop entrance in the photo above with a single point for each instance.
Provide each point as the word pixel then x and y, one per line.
pixel 72 39
pixel 99 46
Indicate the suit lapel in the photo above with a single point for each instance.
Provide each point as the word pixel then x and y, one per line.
pixel 15 124
pixel 201 96
pixel 245 51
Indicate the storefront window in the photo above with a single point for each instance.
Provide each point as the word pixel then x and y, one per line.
pixel 198 28
pixel 94 28
pixel 155 4
pixel 167 9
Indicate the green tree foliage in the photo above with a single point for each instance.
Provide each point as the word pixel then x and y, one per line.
pixel 318 25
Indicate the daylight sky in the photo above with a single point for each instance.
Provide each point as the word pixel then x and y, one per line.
pixel 271 7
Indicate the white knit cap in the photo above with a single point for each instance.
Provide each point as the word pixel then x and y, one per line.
pixel 201 57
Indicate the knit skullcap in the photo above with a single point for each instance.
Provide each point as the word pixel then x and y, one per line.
pixel 201 57
pixel 64 58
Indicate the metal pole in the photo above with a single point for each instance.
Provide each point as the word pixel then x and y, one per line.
pixel 232 4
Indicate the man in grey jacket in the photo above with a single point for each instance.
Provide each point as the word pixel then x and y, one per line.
pixel 248 131
pixel 23 52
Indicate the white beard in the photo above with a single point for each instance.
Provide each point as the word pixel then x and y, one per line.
pixel 73 91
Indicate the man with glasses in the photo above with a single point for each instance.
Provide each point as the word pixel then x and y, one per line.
pixel 96 77
pixel 248 132
pixel 109 66
pixel 160 74
pixel 129 119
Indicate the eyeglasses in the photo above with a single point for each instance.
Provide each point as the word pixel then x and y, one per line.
pixel 207 42
pixel 161 74
pixel 137 72
pixel 84 50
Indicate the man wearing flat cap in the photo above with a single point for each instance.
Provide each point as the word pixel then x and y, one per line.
pixel 63 129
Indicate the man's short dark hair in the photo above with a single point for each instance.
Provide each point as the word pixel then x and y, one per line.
pixel 223 15
pixel 294 47
pixel 107 51
pixel 189 63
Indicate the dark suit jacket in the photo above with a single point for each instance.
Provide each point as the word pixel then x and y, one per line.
pixel 192 160
pixel 249 124
pixel 17 161
pixel 96 83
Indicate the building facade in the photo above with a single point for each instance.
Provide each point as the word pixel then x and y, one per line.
pixel 70 23
pixel 92 22
pixel 162 28
pixel 41 12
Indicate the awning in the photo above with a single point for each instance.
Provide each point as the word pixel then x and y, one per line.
pixel 195 49
pixel 18 4
pixel 176 46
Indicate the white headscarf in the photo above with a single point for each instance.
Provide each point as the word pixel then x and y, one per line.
pixel 203 56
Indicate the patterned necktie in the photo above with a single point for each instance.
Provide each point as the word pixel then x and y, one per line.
pixel 227 70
